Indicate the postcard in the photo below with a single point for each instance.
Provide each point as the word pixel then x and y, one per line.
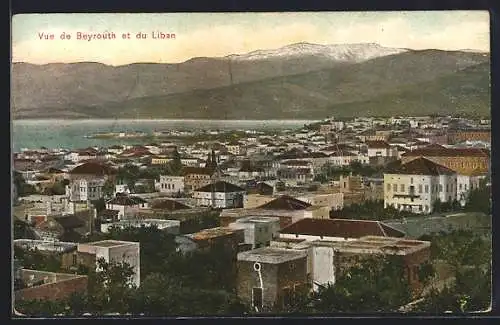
pixel 249 164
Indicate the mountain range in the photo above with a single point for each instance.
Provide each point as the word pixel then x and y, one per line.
pixel 298 81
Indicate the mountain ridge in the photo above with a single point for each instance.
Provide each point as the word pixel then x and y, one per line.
pixel 302 82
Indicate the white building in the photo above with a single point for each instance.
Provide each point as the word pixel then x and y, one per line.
pixel 220 195
pixel 114 251
pixel 121 189
pixel 126 205
pixel 418 184
pixel 85 189
pixel 258 231
pixel 170 184
pixel 465 184
pixel 381 149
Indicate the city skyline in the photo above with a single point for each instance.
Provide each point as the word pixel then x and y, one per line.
pixel 207 34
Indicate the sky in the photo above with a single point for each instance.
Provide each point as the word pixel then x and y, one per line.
pixel 221 34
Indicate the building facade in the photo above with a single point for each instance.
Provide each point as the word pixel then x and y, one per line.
pixel 417 185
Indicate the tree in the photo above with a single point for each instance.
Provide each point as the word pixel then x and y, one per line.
pixel 108 189
pixel 111 287
pixel 372 285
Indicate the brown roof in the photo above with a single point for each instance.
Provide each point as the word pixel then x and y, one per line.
pixel 92 168
pixel 198 171
pixel 170 205
pixel 220 187
pixel 378 144
pixel 285 202
pixel 435 150
pixel 126 200
pixel 421 166
pixel 341 228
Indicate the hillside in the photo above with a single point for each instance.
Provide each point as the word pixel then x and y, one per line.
pixel 297 85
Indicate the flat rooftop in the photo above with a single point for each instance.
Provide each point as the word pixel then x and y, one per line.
pixel 271 255
pixel 110 243
pixel 376 245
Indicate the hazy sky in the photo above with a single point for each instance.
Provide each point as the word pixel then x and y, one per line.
pixel 220 34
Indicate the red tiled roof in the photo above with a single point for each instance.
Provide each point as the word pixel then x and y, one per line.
pixel 285 202
pixel 421 166
pixel 435 150
pixel 92 168
pixel 341 228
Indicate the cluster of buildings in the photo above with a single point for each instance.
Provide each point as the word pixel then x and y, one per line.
pixel 275 214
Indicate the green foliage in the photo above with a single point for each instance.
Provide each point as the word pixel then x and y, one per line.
pixel 469 255
pixel 479 199
pixel 23 189
pixel 371 210
pixel 374 285
pixel 34 259
pixel 108 188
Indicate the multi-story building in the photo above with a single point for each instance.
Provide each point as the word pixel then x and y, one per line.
pixel 112 251
pixel 469 135
pixel 170 184
pixel 417 185
pixel 465 161
pixel 87 181
pixel 197 177
pixel 219 195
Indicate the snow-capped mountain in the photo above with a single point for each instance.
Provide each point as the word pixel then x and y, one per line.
pixel 337 52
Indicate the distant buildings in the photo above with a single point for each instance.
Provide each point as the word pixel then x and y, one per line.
pixel 464 161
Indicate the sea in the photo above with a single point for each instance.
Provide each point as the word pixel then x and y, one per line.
pixel 70 134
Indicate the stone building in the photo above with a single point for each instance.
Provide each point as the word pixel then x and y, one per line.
pixel 269 277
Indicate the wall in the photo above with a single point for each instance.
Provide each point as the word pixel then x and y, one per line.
pixel 323 271
pixel 54 291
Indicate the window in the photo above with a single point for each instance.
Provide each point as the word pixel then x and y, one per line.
pixel 465 186
pixel 420 188
pixel 395 187
pixel 173 186
pixel 402 186
pixel 411 180
pixel 460 186
pixel 388 187
pixel 257 297
pixel 426 188
pixel 447 188
pixel 440 188
pixel 75 260
pixel 420 208
pixel 426 208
